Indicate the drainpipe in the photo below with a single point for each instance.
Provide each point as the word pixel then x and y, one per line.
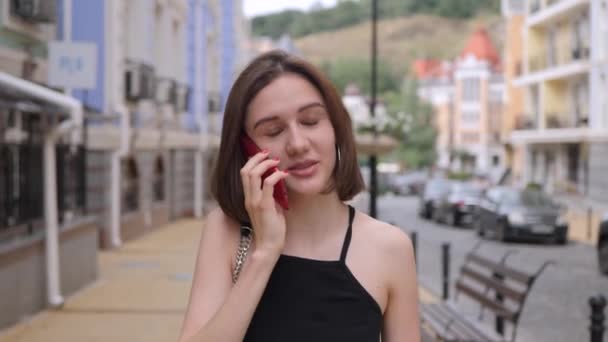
pixel 115 176
pixel 74 108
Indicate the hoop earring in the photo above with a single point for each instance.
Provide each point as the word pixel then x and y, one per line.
pixel 338 152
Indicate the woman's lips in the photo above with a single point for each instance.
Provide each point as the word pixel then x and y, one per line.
pixel 304 171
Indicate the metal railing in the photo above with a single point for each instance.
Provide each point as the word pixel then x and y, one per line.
pixel 22 188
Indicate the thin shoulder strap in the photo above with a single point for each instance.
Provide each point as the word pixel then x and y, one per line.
pixel 349 233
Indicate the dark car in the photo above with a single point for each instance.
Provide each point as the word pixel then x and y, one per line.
pixel 459 205
pixel 511 214
pixel 434 190
pixel 602 246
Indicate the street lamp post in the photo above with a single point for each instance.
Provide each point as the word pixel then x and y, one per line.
pixel 372 109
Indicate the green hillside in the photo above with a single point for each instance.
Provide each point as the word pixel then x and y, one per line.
pixel 400 40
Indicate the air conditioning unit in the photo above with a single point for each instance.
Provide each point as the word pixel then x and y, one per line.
pixel 173 92
pixel 43 11
pixel 214 103
pixel 148 82
pixel 164 90
pixel 183 98
pixel 140 82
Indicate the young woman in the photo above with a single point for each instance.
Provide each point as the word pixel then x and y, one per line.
pixel 320 270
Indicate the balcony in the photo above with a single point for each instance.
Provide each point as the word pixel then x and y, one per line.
pixel 563 63
pixel 543 13
pixel 559 58
pixel 558 128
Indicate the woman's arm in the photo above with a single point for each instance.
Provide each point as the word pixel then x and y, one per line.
pixel 217 311
pixel 401 317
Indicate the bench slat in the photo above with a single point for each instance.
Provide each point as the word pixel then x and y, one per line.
pixel 490 303
pixel 475 324
pixel 463 324
pixel 501 269
pixel 439 315
pixel 437 323
pixel 497 285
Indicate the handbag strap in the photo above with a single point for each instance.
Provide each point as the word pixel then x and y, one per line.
pixel 241 254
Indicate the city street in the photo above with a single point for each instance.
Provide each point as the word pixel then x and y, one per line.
pixel 556 309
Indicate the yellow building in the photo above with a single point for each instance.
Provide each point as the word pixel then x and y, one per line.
pixel 563 131
pixel 513 11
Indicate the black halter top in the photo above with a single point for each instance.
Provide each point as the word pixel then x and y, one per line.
pixel 315 300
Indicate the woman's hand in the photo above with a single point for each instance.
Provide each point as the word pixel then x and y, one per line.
pixel 267 217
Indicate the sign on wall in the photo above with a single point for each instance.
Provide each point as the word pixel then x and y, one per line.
pixel 72 65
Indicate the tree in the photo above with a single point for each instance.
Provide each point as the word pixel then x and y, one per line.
pixel 410 124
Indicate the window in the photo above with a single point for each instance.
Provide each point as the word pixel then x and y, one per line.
pixel 71 181
pixel 470 138
pixel 470 118
pixel 159 179
pixel 21 175
pixel 470 89
pixel 130 185
pixel 495 160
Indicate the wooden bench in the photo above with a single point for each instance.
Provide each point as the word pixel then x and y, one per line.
pixel 497 287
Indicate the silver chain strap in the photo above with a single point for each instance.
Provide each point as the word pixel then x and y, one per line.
pixel 241 254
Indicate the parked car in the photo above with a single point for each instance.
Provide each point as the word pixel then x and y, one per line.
pixel 434 189
pixel 602 246
pixel 459 205
pixel 408 184
pixel 511 214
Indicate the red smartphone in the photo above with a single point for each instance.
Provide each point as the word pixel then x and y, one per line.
pixel 280 190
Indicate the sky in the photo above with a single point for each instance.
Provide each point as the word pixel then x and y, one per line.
pixel 257 7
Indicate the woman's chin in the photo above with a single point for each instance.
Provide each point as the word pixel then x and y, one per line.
pixel 308 188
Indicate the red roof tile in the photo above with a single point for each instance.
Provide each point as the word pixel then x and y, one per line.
pixel 480 45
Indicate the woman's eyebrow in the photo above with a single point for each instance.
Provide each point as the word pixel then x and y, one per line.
pixel 261 121
pixel 310 105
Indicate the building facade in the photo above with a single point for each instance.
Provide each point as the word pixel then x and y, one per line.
pixel 468 96
pixel 82 169
pixel 564 75
pixel 43 208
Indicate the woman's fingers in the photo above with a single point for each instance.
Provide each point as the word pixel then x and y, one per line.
pixel 246 169
pixel 255 177
pixel 269 183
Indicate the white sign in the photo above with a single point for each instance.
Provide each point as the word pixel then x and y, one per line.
pixel 72 65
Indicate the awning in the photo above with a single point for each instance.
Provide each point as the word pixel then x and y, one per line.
pixel 17 93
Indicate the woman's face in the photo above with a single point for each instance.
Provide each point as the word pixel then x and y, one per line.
pixel 288 117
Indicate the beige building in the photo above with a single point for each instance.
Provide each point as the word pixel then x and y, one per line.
pixel 468 95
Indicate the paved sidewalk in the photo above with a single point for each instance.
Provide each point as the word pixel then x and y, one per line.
pixel 141 294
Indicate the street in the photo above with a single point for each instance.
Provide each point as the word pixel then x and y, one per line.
pixel 556 308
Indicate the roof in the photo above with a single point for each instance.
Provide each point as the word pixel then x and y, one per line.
pixel 429 68
pixel 480 45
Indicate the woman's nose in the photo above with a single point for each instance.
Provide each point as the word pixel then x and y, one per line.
pixel 297 142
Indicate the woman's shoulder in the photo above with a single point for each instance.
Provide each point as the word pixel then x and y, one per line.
pixel 383 236
pixel 220 228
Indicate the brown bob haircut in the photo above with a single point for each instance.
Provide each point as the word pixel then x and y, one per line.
pixel 226 184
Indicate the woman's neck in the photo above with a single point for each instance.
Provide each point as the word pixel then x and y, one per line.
pixel 313 218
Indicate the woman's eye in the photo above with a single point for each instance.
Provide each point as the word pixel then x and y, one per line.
pixel 310 123
pixel 274 133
